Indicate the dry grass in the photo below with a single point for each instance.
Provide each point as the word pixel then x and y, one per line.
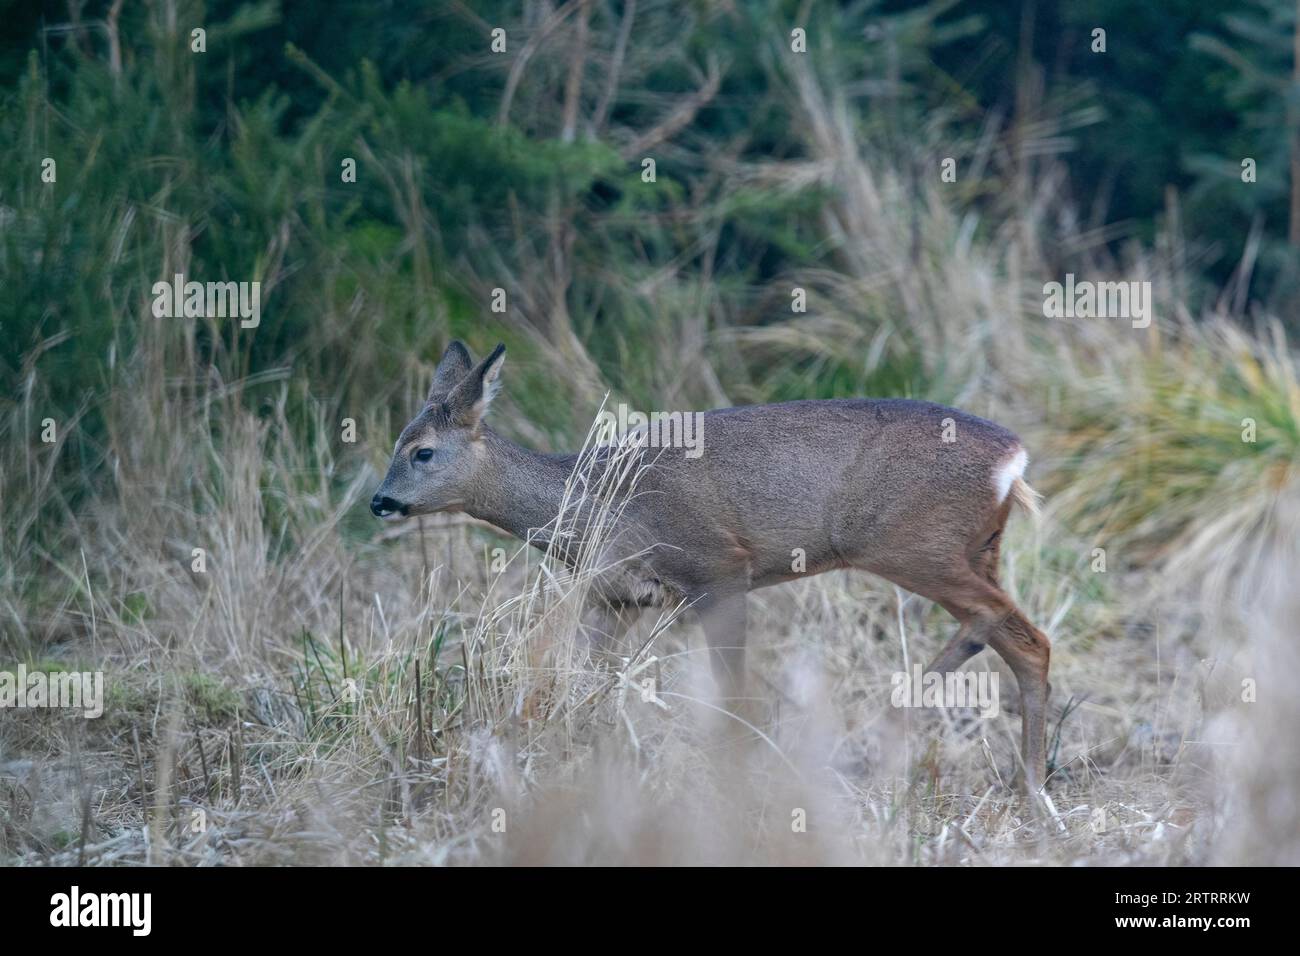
pixel 479 732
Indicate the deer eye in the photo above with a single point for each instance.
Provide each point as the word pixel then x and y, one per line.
pixel 424 454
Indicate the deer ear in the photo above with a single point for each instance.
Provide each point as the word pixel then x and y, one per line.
pixel 453 367
pixel 470 399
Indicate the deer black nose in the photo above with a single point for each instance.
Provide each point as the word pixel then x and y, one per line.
pixel 381 506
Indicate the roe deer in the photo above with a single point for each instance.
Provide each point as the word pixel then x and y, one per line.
pixel 856 483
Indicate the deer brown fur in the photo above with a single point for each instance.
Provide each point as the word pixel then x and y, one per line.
pixel 914 492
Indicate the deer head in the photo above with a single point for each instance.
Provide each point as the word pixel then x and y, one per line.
pixel 439 455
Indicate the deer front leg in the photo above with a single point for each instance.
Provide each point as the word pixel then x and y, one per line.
pixel 607 624
pixel 725 624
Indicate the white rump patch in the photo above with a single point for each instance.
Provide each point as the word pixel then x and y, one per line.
pixel 1006 474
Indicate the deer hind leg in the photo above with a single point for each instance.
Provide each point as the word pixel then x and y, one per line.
pixel 984 561
pixel 962 589
pixel 973 632
pixel 1028 653
pixel 989 617
pixel 964 645
pixel 999 623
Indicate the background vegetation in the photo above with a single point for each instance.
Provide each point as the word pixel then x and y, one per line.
pixel 522 170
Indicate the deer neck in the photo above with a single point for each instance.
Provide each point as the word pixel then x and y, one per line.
pixel 519 490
